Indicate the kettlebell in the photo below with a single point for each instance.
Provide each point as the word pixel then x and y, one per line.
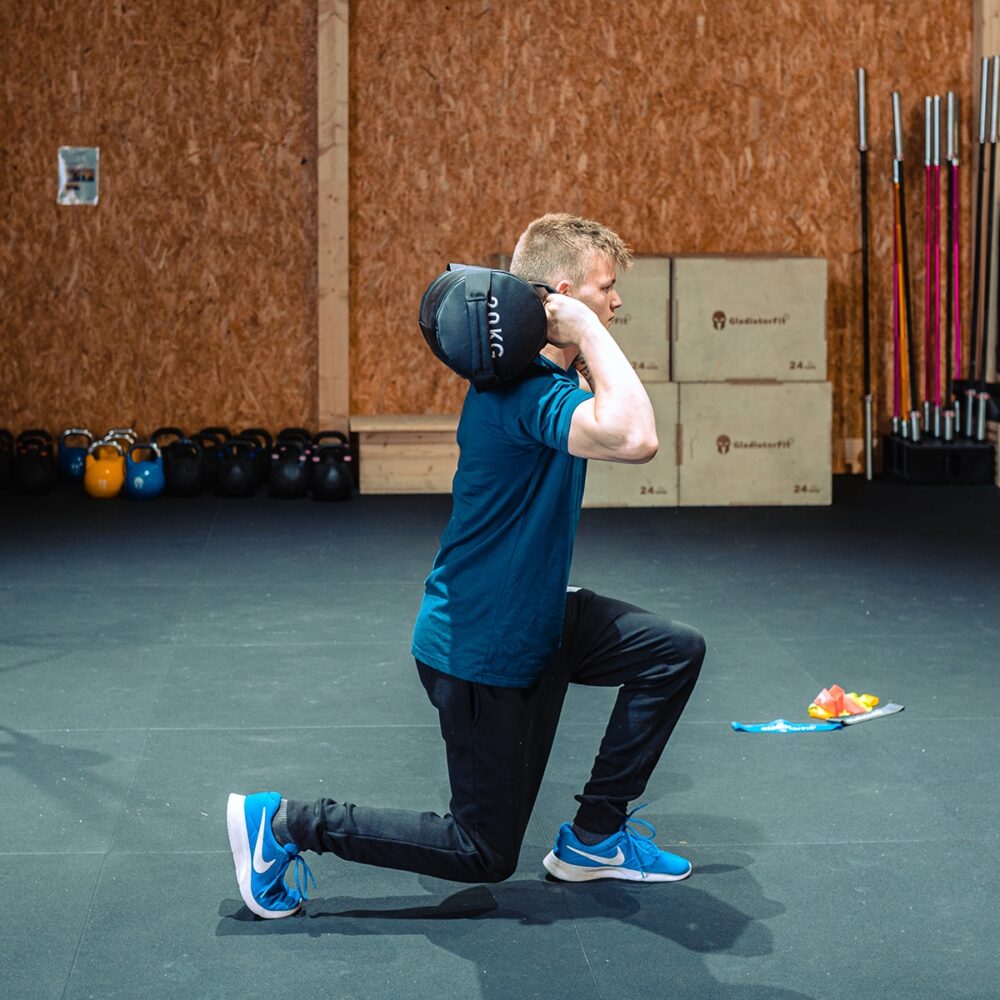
pixel 73 457
pixel 119 433
pixel 182 468
pixel 332 474
pixel 144 477
pixel 263 457
pixel 104 470
pixel 124 436
pixel 34 464
pixel 238 467
pixel 294 434
pixel 6 456
pixel 164 432
pixel 289 473
pixel 210 439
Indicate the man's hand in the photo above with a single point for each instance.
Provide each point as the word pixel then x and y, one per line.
pixel 618 423
pixel 570 321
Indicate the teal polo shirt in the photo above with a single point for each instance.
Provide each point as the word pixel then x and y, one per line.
pixel 493 604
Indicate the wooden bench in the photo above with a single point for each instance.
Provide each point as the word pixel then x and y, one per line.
pixel 406 453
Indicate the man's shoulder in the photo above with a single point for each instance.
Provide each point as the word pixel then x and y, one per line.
pixel 536 378
pixel 529 384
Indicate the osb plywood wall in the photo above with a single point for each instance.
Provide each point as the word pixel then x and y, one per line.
pixel 692 126
pixel 187 296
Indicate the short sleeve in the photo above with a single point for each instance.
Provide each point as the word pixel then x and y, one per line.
pixel 540 412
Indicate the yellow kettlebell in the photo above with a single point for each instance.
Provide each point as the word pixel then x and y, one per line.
pixel 104 475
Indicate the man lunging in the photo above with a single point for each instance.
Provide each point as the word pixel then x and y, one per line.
pixel 500 636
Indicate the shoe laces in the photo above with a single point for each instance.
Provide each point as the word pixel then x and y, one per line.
pixel 633 829
pixel 303 876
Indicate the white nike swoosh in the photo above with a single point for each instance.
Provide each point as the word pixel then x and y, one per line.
pixel 260 866
pixel 618 858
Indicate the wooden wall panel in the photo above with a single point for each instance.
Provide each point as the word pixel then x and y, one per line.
pixel 333 215
pixel 689 126
pixel 188 294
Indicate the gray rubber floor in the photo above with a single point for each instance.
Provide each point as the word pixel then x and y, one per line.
pixel 154 657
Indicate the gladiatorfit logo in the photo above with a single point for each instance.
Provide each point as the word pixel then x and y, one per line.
pixel 725 444
pixel 720 320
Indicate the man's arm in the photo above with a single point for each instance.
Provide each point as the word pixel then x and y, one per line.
pixel 617 425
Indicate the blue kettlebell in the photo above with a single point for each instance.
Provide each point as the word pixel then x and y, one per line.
pixel 73 457
pixel 144 479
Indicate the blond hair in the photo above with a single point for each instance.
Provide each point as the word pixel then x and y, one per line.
pixel 558 247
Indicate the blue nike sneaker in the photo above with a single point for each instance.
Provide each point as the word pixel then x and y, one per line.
pixel 261 862
pixel 627 854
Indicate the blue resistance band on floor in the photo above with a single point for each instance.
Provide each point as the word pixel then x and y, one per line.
pixel 784 726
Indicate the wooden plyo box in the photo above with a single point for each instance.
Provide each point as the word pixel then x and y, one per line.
pixel 642 324
pixel 755 445
pixel 653 484
pixel 409 453
pixel 756 318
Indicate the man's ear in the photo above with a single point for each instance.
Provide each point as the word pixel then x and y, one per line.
pixel 563 287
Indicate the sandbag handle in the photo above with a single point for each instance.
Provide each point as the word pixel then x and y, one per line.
pixel 477 292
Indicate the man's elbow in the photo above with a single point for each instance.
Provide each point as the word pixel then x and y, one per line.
pixel 641 449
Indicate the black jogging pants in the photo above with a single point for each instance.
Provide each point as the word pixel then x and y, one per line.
pixel 498 741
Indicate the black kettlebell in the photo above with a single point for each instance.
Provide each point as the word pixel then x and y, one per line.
pixel 34 464
pixel 211 439
pixel 238 467
pixel 160 436
pixel 263 457
pixel 289 473
pixel 164 432
pixel 294 434
pixel 183 483
pixel 332 475
pixel 6 456
pixel 182 467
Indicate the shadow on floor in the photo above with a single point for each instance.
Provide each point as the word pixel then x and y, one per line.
pixel 683 925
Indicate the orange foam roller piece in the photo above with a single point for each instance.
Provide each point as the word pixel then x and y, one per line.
pixel 831 699
pixel 834 702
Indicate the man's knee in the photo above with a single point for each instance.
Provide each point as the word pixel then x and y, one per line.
pixel 489 865
pixel 695 647
pixel 680 643
pixel 682 650
pixel 499 871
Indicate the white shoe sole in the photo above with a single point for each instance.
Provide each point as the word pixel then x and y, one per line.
pixel 239 843
pixel 577 873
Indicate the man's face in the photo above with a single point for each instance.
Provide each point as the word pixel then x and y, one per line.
pixel 597 289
